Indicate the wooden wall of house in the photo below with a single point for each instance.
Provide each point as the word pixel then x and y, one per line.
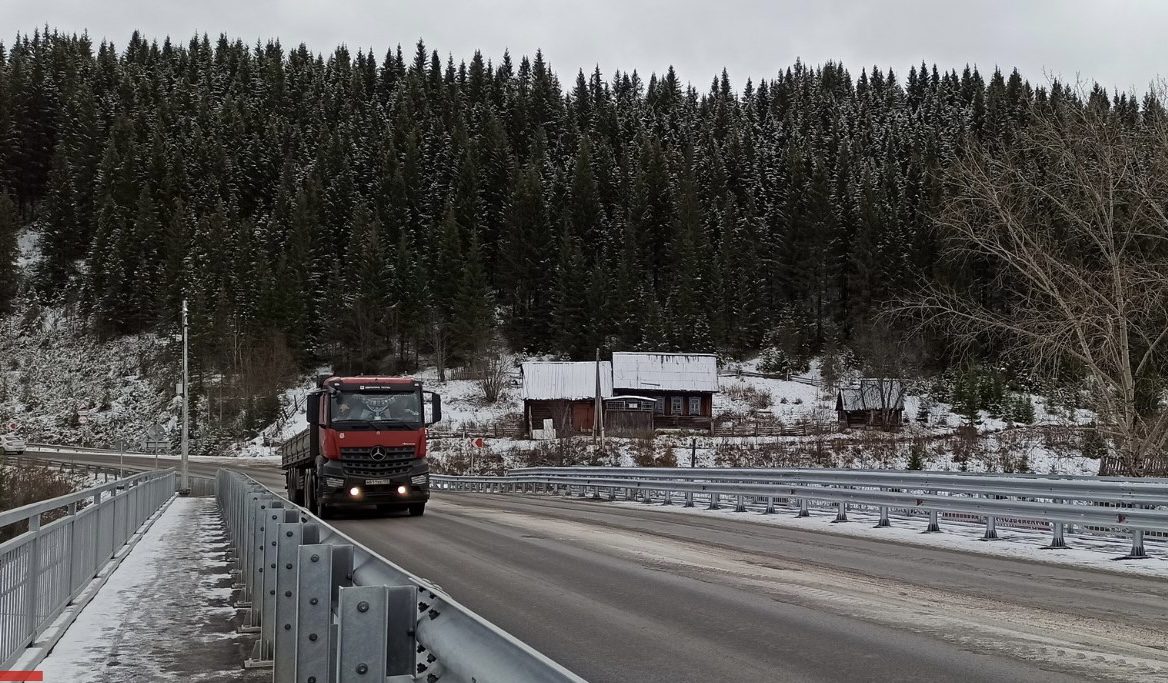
pixel 707 401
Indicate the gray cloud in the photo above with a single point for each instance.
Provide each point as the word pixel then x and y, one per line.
pixel 1116 43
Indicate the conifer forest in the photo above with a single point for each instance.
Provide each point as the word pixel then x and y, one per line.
pixel 366 209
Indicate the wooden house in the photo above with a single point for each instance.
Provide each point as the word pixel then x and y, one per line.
pixel 562 396
pixel 681 385
pixel 871 403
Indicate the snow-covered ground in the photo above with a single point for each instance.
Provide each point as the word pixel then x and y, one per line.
pixel 1086 549
pixel 744 400
pixel 164 614
pixel 61 385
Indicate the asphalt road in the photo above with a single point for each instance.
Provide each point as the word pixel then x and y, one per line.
pixel 642 594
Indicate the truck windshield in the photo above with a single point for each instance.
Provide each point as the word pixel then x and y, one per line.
pixel 397 408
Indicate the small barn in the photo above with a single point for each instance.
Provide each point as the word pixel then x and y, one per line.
pixel 562 395
pixel 681 385
pixel 871 403
pixel 629 416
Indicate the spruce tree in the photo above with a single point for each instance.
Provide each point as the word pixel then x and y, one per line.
pixel 9 227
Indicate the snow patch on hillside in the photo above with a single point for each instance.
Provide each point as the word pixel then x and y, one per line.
pixel 60 385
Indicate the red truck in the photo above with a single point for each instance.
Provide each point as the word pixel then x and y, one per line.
pixel 365 445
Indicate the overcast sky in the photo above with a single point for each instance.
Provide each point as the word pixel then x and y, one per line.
pixel 1119 43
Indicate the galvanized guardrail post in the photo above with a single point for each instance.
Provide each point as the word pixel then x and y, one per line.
pixel 291 536
pixel 1058 542
pixel 378 633
pixel 841 514
pixel 991 532
pixel 322 570
pixel 1137 549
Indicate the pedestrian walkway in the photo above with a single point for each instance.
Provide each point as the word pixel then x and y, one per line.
pixel 165 613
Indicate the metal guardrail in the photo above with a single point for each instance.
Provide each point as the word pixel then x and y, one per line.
pixel 200 487
pixel 1135 507
pixel 330 610
pixel 44 568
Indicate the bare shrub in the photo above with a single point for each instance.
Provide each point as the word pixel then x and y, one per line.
pixel 649 457
pixel 751 396
pixel 27 484
pixel 561 453
pixel 493 380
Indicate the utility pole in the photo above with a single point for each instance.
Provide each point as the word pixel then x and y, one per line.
pixel 598 407
pixel 184 482
pixel 600 413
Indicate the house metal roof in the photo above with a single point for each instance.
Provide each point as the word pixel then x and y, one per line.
pixel 665 371
pixel 562 381
pixel 867 396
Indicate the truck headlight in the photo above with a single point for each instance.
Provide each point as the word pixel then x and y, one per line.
pixel 333 482
pixel 419 479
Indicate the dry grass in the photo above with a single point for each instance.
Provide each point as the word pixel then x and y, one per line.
pixel 755 398
pixel 27 484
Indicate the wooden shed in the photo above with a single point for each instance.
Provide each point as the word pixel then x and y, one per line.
pixel 562 395
pixel 629 416
pixel 871 403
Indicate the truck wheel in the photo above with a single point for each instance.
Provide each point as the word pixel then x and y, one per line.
pixel 295 493
pixel 312 494
pixel 417 509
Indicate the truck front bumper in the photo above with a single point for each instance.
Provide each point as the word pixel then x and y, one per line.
pixel 338 489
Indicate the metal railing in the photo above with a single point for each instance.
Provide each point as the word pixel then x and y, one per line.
pixel 1134 507
pixel 44 568
pixel 200 486
pixel 330 610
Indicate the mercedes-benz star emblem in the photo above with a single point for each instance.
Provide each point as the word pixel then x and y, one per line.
pixel 377 454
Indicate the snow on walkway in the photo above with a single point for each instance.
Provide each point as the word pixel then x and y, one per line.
pixel 164 615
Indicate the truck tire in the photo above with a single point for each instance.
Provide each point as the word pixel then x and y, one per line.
pixel 417 509
pixel 295 493
pixel 312 494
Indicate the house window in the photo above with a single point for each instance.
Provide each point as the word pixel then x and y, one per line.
pixel 633 405
pixel 659 405
pixel 695 405
pixel 675 405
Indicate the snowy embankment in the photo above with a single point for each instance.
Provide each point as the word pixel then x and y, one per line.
pixel 59 384
pixel 744 400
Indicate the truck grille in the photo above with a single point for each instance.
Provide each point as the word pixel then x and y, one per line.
pixel 377 461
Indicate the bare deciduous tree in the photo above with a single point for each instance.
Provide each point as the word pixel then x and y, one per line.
pixel 887 359
pixel 1071 219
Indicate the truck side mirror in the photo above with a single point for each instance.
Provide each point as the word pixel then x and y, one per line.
pixel 313 409
pixel 435 408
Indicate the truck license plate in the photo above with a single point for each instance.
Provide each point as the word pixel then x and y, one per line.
pixel 376 482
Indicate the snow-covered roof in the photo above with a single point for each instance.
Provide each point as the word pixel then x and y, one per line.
pixel 558 381
pixel 665 371
pixel 868 396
